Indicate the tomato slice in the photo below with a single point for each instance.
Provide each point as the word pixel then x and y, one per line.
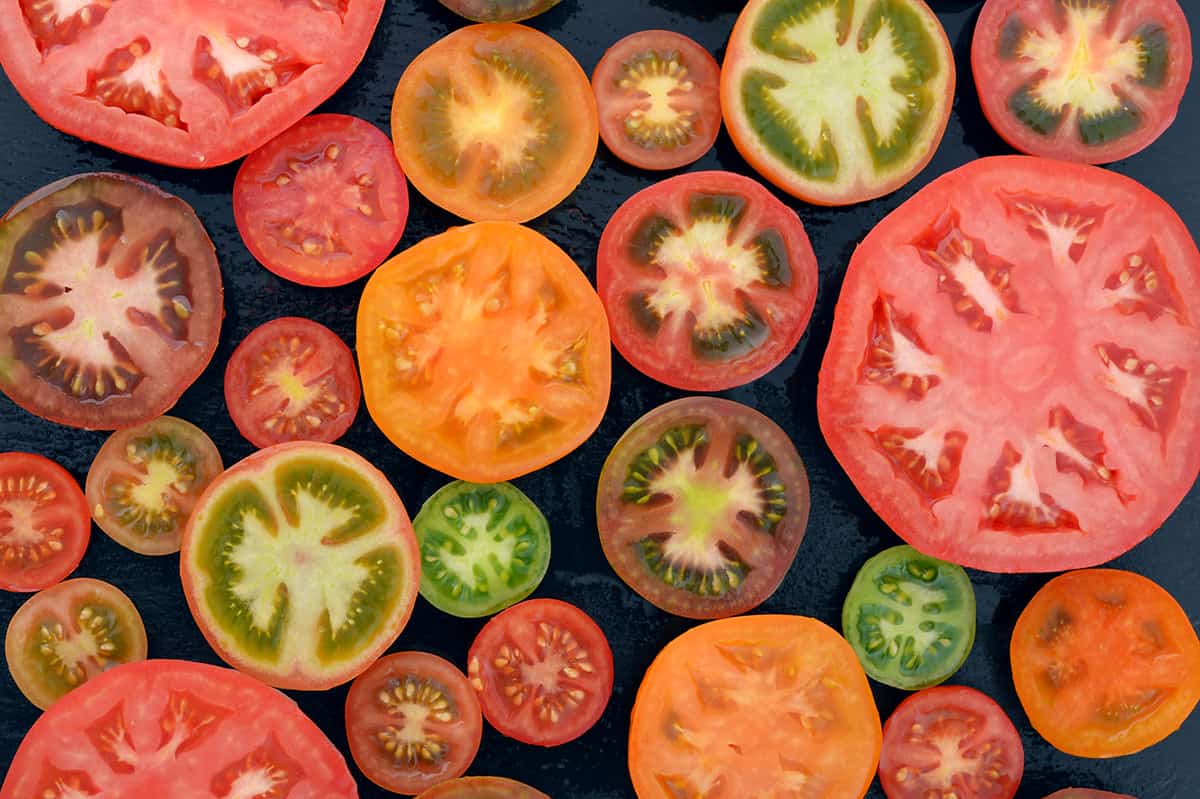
pixel 659 98
pixel 173 728
pixel 144 482
pixel 292 379
pixel 68 634
pixel 484 352
pixel 495 122
pixel 1105 662
pixel 701 507
pixel 754 706
pixel 1086 793
pixel 837 102
pixel 300 566
pixel 191 83
pixel 44 522
pixel 111 298
pixel 708 280
pixel 1077 81
pixel 483 788
pixel 498 10
pixel 412 721
pixel 950 740
pixel 484 547
pixel 1008 381
pixel 543 671
pixel 324 202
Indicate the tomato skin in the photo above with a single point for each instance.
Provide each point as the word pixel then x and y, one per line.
pixel 59 503
pixel 482 788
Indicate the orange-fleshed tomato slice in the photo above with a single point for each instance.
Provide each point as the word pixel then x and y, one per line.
pixel 658 94
pixel 755 706
pixel 484 352
pixel 44 522
pixel 292 379
pixel 145 480
pixel 169 728
pixel 300 565
pixel 69 633
pixel 1105 662
pixel 708 280
pixel 495 122
pixel 483 788
pixel 1080 80
pixel 1011 380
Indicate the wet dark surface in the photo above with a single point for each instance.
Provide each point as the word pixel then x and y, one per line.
pixel 842 533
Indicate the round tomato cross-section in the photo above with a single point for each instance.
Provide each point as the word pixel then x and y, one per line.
pixel 300 565
pixel 44 522
pixel 755 706
pixel 111 298
pixel 173 728
pixel 482 788
pixel 708 280
pixel 1011 381
pixel 484 352
pixel 190 83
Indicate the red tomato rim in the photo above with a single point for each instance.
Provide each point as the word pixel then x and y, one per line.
pixel 67 492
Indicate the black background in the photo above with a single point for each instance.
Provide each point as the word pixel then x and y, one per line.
pixel 842 532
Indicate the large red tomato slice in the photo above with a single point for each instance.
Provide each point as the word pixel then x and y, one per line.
pixel 192 83
pixel 1011 381
pixel 44 522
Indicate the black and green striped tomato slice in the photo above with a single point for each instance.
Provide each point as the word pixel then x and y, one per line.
pixel 498 10
pixel 1081 80
pixel 910 618
pixel 300 565
pixel 484 547
pixel 701 507
pixel 837 102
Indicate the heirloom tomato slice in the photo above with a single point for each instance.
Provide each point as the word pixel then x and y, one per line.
pixel 754 706
pixel 170 728
pixel 110 294
pixel 837 102
pixel 1081 80
pixel 495 122
pixel 300 566
pixel 1011 381
pixel 68 634
pixel 482 788
pixel 1105 662
pixel 44 522
pixel 701 507
pixel 484 352
pixel 191 83
pixel 708 280
pixel 145 480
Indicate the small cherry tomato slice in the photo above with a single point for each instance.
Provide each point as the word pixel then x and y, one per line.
pixel 412 721
pixel 44 522
pixel 498 10
pixel 145 480
pixel 1105 662
pixel 323 203
pixel 708 280
pixel 483 788
pixel 67 634
pixel 950 741
pixel 658 94
pixel 543 670
pixel 292 379
pixel 1086 793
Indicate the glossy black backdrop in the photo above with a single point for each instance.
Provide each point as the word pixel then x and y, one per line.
pixel 843 531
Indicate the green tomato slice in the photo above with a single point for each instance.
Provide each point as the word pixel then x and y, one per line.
pixel 484 547
pixel 910 618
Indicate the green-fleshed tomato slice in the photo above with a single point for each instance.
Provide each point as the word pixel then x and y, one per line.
pixel 484 547
pixel 300 565
pixel 837 101
pixel 910 618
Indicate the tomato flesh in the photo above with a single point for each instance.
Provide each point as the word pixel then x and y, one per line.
pixel 44 522
pixel 482 788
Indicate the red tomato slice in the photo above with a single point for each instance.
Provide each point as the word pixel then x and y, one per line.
pixel 708 280
pixel 483 788
pixel 292 379
pixel 1092 82
pixel 323 203
pixel 950 741
pixel 44 522
pixel 543 670
pixel 191 83
pixel 169 728
pixel 1011 378
pixel 659 98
